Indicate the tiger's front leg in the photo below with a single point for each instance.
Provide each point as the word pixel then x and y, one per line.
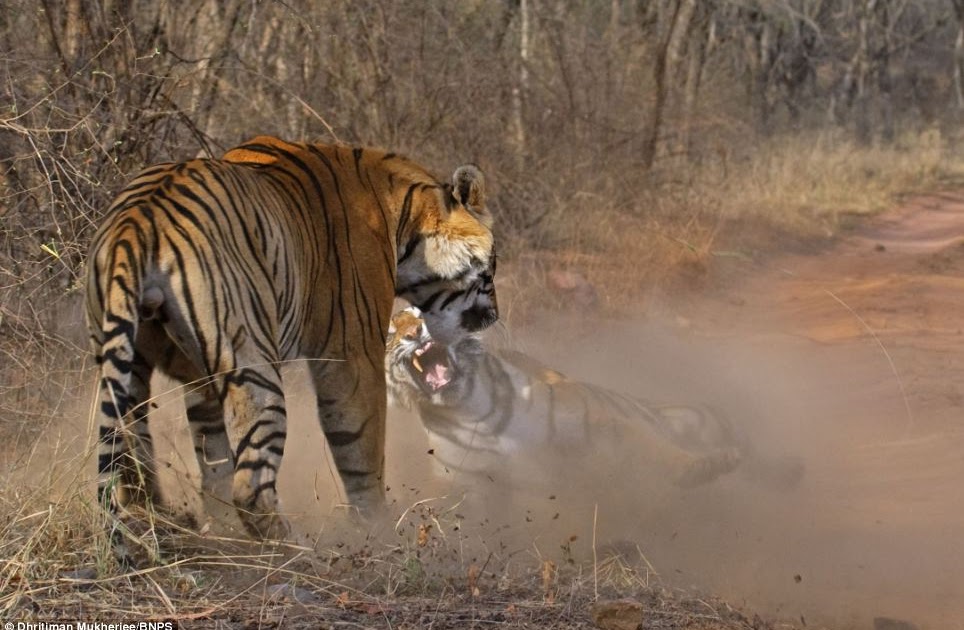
pixel 352 404
pixel 256 422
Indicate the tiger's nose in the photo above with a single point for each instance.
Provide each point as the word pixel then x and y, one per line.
pixel 479 317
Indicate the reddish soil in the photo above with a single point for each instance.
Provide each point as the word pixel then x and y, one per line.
pixel 880 384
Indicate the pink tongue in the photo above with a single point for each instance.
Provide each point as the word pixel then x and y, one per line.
pixel 437 376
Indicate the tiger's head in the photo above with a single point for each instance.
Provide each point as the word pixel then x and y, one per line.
pixel 420 367
pixel 447 264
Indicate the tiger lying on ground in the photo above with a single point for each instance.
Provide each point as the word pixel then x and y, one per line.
pixel 214 271
pixel 480 406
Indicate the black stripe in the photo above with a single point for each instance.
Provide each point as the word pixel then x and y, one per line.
pixel 410 248
pixel 451 298
pixel 244 376
pixel 110 461
pixel 122 365
pixel 257 464
pixel 357 154
pixel 122 326
pixel 406 210
pixel 338 439
pixel 357 473
pixel 108 434
pixel 266 440
pixel 245 442
pixel 427 303
pixel 109 409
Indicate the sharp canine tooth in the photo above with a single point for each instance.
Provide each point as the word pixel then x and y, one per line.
pixel 418 366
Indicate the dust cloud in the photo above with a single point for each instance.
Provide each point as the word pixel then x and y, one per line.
pixel 871 530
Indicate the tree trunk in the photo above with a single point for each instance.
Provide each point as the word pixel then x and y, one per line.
pixel 699 43
pixel 759 52
pixel 884 87
pixel 222 19
pixel 72 29
pixel 862 64
pixel 521 86
pixel 959 56
pixel 667 65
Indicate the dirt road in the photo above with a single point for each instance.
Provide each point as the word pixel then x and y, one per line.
pixel 851 357
pixel 881 317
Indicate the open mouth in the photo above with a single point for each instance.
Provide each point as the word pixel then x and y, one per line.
pixel 430 366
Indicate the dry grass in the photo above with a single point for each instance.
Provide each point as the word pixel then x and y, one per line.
pixel 796 188
pixel 809 182
pixel 55 564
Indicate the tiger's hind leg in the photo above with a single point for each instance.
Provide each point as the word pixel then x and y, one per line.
pixel 126 466
pixel 704 436
pixel 237 387
pixel 699 469
pixel 685 468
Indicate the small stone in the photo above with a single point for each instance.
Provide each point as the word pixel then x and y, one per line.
pixel 81 574
pixel 292 593
pixel 886 623
pixel 575 285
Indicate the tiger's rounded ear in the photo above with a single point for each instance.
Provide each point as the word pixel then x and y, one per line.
pixel 468 187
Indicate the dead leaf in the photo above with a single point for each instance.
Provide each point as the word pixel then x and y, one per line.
pixel 548 580
pixel 423 530
pixel 474 580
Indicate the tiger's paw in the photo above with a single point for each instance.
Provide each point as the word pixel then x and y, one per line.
pixel 266 526
pixel 779 474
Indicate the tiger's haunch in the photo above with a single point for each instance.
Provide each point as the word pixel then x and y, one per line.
pixel 216 271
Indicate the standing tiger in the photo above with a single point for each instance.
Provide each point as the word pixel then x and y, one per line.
pixel 478 407
pixel 214 271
